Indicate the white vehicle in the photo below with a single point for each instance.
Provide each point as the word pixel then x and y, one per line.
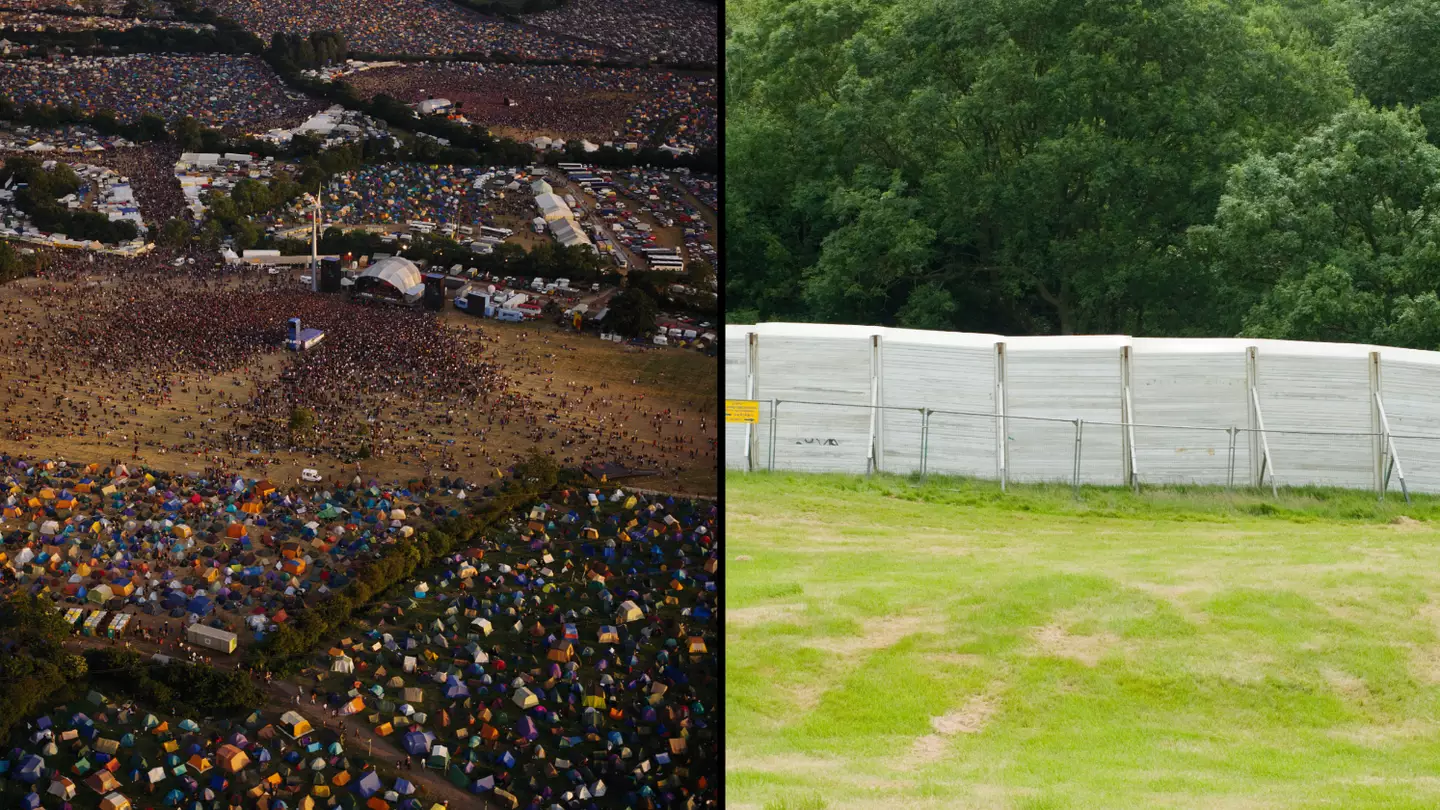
pixel 306 279
pixel 595 287
pixel 307 474
pixel 274 271
pixel 486 230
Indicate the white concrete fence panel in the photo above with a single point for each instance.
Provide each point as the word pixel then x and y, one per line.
pixel 1107 409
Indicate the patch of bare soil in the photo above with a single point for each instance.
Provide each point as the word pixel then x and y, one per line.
pixel 763 614
pixel 1346 684
pixel 876 635
pixel 1425 658
pixel 968 719
pixel 1052 641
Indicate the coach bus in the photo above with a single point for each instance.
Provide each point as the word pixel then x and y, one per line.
pixel 499 233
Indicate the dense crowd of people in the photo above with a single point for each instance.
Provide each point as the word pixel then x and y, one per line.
pixel 416 27
pixel 674 31
pixel 107 7
pixel 101 338
pixel 22 20
pixel 150 169
pixel 654 107
pixel 215 90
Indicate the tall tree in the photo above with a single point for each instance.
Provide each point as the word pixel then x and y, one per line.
pixel 1017 165
pixel 1393 54
pixel 1336 238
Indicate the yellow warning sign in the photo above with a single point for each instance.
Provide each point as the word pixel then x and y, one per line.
pixel 744 411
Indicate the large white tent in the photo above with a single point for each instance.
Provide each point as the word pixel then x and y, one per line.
pixel 396 272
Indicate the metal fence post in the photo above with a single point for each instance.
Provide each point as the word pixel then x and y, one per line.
pixel 1230 473
pixel 774 407
pixel 924 442
pixel 1079 428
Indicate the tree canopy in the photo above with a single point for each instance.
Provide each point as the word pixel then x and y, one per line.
pixel 1160 167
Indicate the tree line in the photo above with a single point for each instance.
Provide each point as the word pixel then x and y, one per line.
pixel 546 260
pixel 1166 167
pixel 285 650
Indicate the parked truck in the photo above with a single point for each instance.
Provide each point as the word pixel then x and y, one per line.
pixel 211 638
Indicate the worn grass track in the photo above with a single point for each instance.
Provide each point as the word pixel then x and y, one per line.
pixel 895 646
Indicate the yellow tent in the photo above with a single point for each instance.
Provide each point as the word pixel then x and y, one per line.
pixel 102 782
pixel 232 759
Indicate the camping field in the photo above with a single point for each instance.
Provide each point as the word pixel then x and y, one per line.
pixel 897 646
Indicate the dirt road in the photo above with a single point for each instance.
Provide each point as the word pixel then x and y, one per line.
pixel 385 752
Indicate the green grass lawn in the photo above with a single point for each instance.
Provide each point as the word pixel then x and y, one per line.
pixel 895 646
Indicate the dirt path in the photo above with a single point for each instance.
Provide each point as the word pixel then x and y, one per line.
pixel 385 752
pixel 360 736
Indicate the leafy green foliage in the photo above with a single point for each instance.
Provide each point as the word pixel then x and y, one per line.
pixel 1164 167
pixel 1335 238
pixel 632 313
pixel 38 199
pixel 34 664
pixel 178 687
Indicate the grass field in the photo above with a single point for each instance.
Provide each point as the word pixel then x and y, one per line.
pixel 948 646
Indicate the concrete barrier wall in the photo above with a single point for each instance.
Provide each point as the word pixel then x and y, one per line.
pixel 857 399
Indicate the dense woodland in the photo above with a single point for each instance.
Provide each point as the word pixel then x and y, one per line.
pixel 1158 167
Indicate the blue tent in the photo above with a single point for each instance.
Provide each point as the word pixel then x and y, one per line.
pixel 30 802
pixel 454 689
pixel 200 605
pixel 417 743
pixel 31 769
pixel 367 785
pixel 526 728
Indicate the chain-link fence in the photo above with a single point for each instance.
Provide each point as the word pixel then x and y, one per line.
pixel 811 436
